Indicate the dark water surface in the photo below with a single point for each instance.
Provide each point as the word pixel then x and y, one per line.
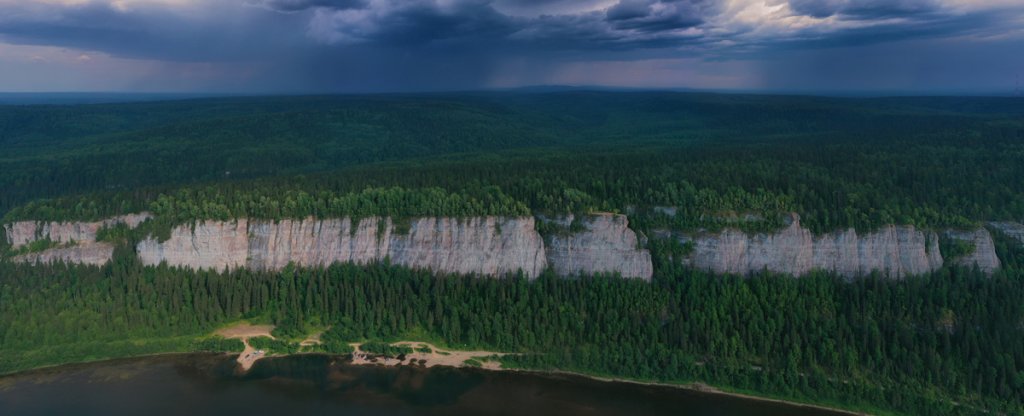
pixel 199 384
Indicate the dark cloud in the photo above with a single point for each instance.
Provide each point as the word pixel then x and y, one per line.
pixel 298 5
pixel 150 31
pixel 433 44
pixel 655 16
pixel 881 9
pixel 412 22
pixel 929 23
pixel 865 9
pixel 628 10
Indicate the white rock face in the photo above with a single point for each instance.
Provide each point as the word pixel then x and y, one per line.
pixel 313 243
pixel 607 245
pixel 483 245
pixel 495 246
pixel 984 254
pixel 895 251
pixel 207 245
pixel 24 232
pixel 93 253
pixel 1014 230
pixel 79 236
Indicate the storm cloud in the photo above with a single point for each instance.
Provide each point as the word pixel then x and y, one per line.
pixel 399 45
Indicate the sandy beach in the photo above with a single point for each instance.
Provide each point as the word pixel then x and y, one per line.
pixel 244 331
pixel 436 356
pixel 458 358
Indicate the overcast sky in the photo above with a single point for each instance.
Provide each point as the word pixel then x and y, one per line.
pixel 302 46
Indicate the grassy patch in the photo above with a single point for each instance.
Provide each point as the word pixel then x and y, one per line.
pixel 39 246
pixel 274 346
pixel 386 349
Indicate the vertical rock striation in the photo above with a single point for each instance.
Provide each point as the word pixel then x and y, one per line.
pixel 606 245
pixel 895 251
pixel 482 245
pixel 496 246
pixel 24 232
pixel 93 253
pixel 1014 230
pixel 77 239
pixel 312 242
pixel 216 245
pixel 984 254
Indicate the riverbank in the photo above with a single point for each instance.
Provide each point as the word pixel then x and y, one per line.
pixel 205 385
pixel 462 359
pixel 695 386
pixel 446 357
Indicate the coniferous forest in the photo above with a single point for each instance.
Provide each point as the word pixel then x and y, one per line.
pixel 948 342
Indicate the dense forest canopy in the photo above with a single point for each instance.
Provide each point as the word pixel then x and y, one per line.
pixel 838 162
pixel 947 342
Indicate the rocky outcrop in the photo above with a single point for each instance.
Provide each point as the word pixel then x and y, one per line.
pixel 894 251
pixel 213 245
pixel 606 245
pixel 489 245
pixel 494 246
pixel 24 232
pixel 482 245
pixel 316 242
pixel 984 254
pixel 76 240
pixel 1014 230
pixel 93 253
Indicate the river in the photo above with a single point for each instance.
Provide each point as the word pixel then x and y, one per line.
pixel 204 384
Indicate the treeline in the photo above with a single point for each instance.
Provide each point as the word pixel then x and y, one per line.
pixel 944 343
pixel 188 205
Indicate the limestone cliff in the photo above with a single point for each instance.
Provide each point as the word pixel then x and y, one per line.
pixel 895 251
pixel 24 232
pixel 94 253
pixel 483 245
pixel 497 245
pixel 984 254
pixel 206 245
pixel 78 239
pixel 606 245
pixel 490 245
pixel 1013 230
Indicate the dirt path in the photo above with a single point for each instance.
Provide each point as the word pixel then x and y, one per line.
pixel 311 340
pixel 245 330
pixel 436 356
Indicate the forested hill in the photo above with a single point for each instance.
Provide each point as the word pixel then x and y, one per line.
pixel 839 162
pixel 946 341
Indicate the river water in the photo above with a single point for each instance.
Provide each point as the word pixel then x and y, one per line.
pixel 202 384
